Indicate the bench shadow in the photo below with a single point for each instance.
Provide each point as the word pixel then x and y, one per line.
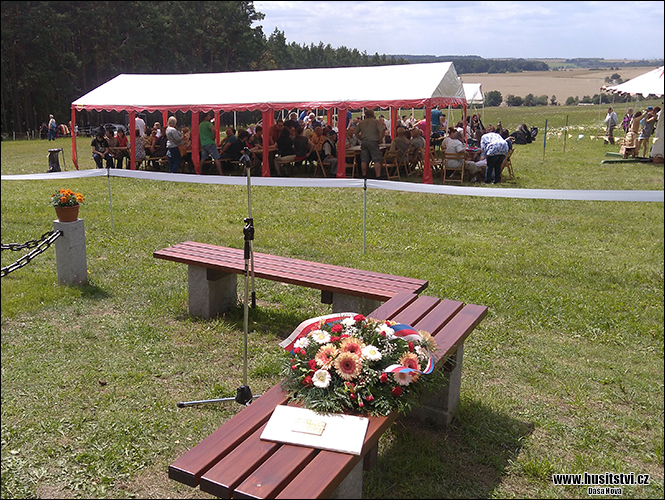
pixel 466 460
pixel 262 319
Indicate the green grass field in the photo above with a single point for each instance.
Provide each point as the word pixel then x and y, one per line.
pixel 565 375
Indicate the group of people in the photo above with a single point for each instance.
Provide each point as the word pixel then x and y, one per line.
pixel 638 128
pixel 306 138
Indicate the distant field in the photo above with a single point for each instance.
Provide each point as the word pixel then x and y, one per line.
pixel 562 84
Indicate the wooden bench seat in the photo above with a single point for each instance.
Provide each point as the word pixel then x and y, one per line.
pixel 213 274
pixel 234 463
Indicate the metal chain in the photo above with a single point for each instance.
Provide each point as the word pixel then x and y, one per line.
pixel 38 246
pixel 27 244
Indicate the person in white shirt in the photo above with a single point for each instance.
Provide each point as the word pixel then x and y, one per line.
pixel 611 121
pixel 140 125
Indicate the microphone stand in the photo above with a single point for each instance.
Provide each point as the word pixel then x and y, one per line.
pixel 243 393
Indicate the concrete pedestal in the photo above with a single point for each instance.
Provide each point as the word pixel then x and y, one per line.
pixel 70 253
pixel 211 292
pixel 351 303
pixel 352 486
pixel 438 408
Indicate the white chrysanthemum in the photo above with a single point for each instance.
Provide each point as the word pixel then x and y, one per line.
pixel 302 342
pixel 321 378
pixel 390 333
pixel 348 321
pixel 320 336
pixel 371 352
pixel 422 353
pixel 403 378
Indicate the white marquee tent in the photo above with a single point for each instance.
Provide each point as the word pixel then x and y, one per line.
pixel 474 95
pixel 428 85
pixel 650 83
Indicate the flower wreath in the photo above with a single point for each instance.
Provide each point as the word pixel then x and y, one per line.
pixel 346 362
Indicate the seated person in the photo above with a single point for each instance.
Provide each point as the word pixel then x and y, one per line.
pixel 140 145
pixel 351 138
pixel 233 146
pixel 329 153
pixel 292 121
pixel 100 150
pixel 112 142
pixel 122 149
pixel 186 148
pixel 522 135
pixel 302 146
pixel 417 140
pixel 158 151
pixel 285 149
pixel 317 139
pixel 400 144
pixel 455 146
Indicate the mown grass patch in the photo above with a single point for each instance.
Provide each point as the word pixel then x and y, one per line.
pixel 563 376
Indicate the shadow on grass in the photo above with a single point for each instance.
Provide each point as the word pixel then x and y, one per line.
pixel 262 319
pixel 93 292
pixel 467 460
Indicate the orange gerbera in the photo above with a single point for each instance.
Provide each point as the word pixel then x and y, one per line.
pixel 353 345
pixel 326 355
pixel 348 365
pixel 410 360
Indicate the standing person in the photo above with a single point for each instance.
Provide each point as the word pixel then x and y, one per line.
pixel 173 141
pixel 611 120
pixel 625 124
pixel 630 144
pixel 648 127
pixel 436 119
pixel 494 148
pixel 140 124
pixel 208 145
pixel 52 127
pixel 370 132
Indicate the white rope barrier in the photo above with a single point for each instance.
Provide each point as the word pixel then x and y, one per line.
pixel 482 191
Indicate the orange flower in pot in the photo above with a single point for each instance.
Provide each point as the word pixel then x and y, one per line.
pixel 66 203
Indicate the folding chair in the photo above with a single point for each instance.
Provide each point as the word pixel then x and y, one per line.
pixel 447 168
pixel 434 160
pixel 350 155
pixel 319 165
pixel 391 162
pixel 507 163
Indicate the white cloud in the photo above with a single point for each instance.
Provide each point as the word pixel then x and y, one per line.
pixel 611 30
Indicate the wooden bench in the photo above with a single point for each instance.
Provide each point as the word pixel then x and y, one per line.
pixel 213 274
pixel 233 462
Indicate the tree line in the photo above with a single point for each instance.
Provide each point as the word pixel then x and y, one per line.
pixel 55 52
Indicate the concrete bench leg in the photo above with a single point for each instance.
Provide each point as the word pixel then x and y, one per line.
pixel 351 303
pixel 211 292
pixel 352 486
pixel 439 408
pixel 70 253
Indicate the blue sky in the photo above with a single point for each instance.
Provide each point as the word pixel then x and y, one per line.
pixel 609 30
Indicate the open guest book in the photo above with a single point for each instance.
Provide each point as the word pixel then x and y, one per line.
pixel 300 426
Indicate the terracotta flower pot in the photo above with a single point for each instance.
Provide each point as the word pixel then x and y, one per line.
pixel 67 214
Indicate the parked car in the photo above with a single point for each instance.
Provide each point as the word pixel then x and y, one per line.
pixel 115 127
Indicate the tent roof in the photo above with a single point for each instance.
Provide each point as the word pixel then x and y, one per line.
pixel 646 84
pixel 474 93
pixel 412 85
